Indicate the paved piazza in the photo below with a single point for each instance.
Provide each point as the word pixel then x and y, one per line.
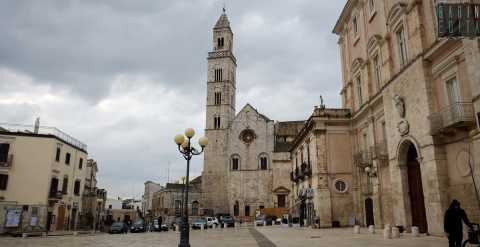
pixel 245 236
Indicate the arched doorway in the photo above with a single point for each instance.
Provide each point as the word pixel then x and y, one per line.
pixel 369 219
pixel 415 190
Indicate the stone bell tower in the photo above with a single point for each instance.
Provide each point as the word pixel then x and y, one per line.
pixel 220 112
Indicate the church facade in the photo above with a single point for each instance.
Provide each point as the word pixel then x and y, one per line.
pixel 247 162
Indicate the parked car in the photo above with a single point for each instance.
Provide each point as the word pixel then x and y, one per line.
pixel 228 220
pixel 118 227
pixel 138 226
pixel 210 221
pixel 197 224
pixel 260 220
pixel 157 227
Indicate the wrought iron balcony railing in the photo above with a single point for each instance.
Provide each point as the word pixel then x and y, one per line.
pixel 363 158
pixel 379 150
pixel 458 115
pixel 7 161
pixel 55 196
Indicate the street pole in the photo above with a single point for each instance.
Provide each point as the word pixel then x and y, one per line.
pixel 185 148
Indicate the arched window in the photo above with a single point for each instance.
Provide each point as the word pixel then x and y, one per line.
pixel 263 159
pixel 195 206
pixel 235 162
pixel 216 122
pixel 236 209
pixel 218 98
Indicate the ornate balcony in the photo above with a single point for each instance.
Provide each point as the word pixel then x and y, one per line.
pixel 6 162
pixel 55 196
pixel 379 150
pixel 363 158
pixel 456 116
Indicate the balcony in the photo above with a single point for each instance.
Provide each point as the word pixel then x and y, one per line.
pixel 222 53
pixel 6 161
pixel 55 196
pixel 363 158
pixel 379 150
pixel 456 116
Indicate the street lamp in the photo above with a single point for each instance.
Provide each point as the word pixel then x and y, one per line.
pixel 185 148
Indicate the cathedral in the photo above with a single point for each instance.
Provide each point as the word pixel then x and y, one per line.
pixel 247 163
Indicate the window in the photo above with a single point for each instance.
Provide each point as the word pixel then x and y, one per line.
pixel 247 210
pixel 263 163
pixel 355 25
pixel 57 156
pixel 220 42
pixel 402 46
pixel 218 98
pixel 53 188
pixel 4 147
pixel 65 186
pixel 80 164
pixel 376 71
pixel 218 75
pixel 67 159
pixel 452 91
pixel 340 185
pixel 76 189
pixel 216 122
pixel 235 163
pixel 3 181
pixel 359 91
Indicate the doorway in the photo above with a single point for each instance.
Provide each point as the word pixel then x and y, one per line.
pixel 369 218
pixel 415 190
pixel 61 218
pixel 281 201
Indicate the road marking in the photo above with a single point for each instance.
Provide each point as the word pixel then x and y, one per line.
pixel 262 241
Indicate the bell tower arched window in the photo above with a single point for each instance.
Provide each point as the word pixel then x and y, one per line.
pixel 263 159
pixel 218 98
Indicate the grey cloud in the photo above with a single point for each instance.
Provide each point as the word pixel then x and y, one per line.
pixel 79 49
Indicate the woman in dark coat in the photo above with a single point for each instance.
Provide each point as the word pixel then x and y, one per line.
pixel 453 224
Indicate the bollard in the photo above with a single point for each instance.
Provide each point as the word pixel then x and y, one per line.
pixel 224 226
pixel 415 231
pixel 75 233
pixel 24 235
pixel 177 228
pixel 356 229
pixel 387 232
pixel 395 232
pixel 264 223
pixel 202 227
pixel 44 234
pixel 371 229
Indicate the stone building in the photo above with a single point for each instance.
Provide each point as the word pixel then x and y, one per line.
pixel 168 201
pixel 93 199
pixel 413 98
pixel 321 170
pixel 246 164
pixel 150 188
pixel 42 173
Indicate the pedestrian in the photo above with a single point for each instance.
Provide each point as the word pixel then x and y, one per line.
pixel 453 224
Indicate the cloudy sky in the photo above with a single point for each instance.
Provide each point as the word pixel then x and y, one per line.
pixel 125 76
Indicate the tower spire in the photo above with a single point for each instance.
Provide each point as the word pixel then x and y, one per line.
pixel 224 8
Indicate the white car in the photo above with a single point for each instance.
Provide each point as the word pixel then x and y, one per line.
pixel 260 220
pixel 211 221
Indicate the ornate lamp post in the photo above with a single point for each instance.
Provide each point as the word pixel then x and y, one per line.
pixel 185 148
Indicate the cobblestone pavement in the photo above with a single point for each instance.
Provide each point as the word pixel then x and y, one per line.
pixel 239 237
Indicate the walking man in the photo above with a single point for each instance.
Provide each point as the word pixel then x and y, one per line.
pixel 453 224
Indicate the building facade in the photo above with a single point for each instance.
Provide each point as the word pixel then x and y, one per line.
pixel 53 163
pixel 413 98
pixel 168 202
pixel 94 199
pixel 245 164
pixel 150 189
pixel 322 170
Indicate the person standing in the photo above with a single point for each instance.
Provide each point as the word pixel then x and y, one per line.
pixel 454 216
